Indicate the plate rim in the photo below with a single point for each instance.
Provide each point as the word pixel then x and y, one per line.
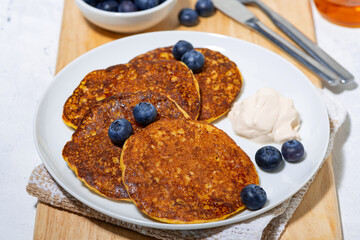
pixel 155 224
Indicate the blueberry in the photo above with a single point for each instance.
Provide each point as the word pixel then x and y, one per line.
pixel 205 8
pixel 268 158
pixel 146 4
pixel 119 131
pixel 91 2
pixel 188 17
pixel 194 60
pixel 180 48
pixel 110 5
pixel 292 150
pixel 99 5
pixel 145 113
pixel 161 1
pixel 253 196
pixel 127 6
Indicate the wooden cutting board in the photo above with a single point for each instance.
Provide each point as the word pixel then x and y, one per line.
pixel 317 217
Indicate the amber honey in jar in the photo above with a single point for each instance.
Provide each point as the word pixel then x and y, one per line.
pixel 342 12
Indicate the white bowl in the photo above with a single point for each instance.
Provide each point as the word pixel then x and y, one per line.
pixel 126 22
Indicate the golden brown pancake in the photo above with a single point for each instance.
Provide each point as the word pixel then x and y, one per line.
pixel 92 155
pixel 184 171
pixel 220 80
pixel 171 78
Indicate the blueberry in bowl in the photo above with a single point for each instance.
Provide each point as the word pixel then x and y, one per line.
pixel 146 4
pixel 92 2
pixel 125 16
pixel 127 6
pixel 114 5
pixel 110 5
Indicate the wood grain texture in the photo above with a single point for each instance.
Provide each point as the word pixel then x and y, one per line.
pixel 317 217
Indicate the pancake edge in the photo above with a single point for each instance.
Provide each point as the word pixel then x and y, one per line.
pixel 210 120
pixel 74 169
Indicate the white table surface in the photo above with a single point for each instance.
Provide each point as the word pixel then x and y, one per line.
pixel 343 44
pixel 29 33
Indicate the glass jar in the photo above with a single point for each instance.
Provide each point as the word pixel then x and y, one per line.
pixel 341 12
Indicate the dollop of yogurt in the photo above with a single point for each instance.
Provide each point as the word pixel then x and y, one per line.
pixel 266 117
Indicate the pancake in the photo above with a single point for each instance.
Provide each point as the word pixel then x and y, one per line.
pixel 92 155
pixel 220 80
pixel 171 78
pixel 184 171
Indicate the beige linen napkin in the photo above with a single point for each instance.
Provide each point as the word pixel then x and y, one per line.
pixel 269 225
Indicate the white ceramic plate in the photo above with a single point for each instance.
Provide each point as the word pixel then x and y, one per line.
pixel 260 68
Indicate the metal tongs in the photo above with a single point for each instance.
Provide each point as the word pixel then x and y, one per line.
pixel 318 61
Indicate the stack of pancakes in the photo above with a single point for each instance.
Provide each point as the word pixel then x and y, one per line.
pixel 179 169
